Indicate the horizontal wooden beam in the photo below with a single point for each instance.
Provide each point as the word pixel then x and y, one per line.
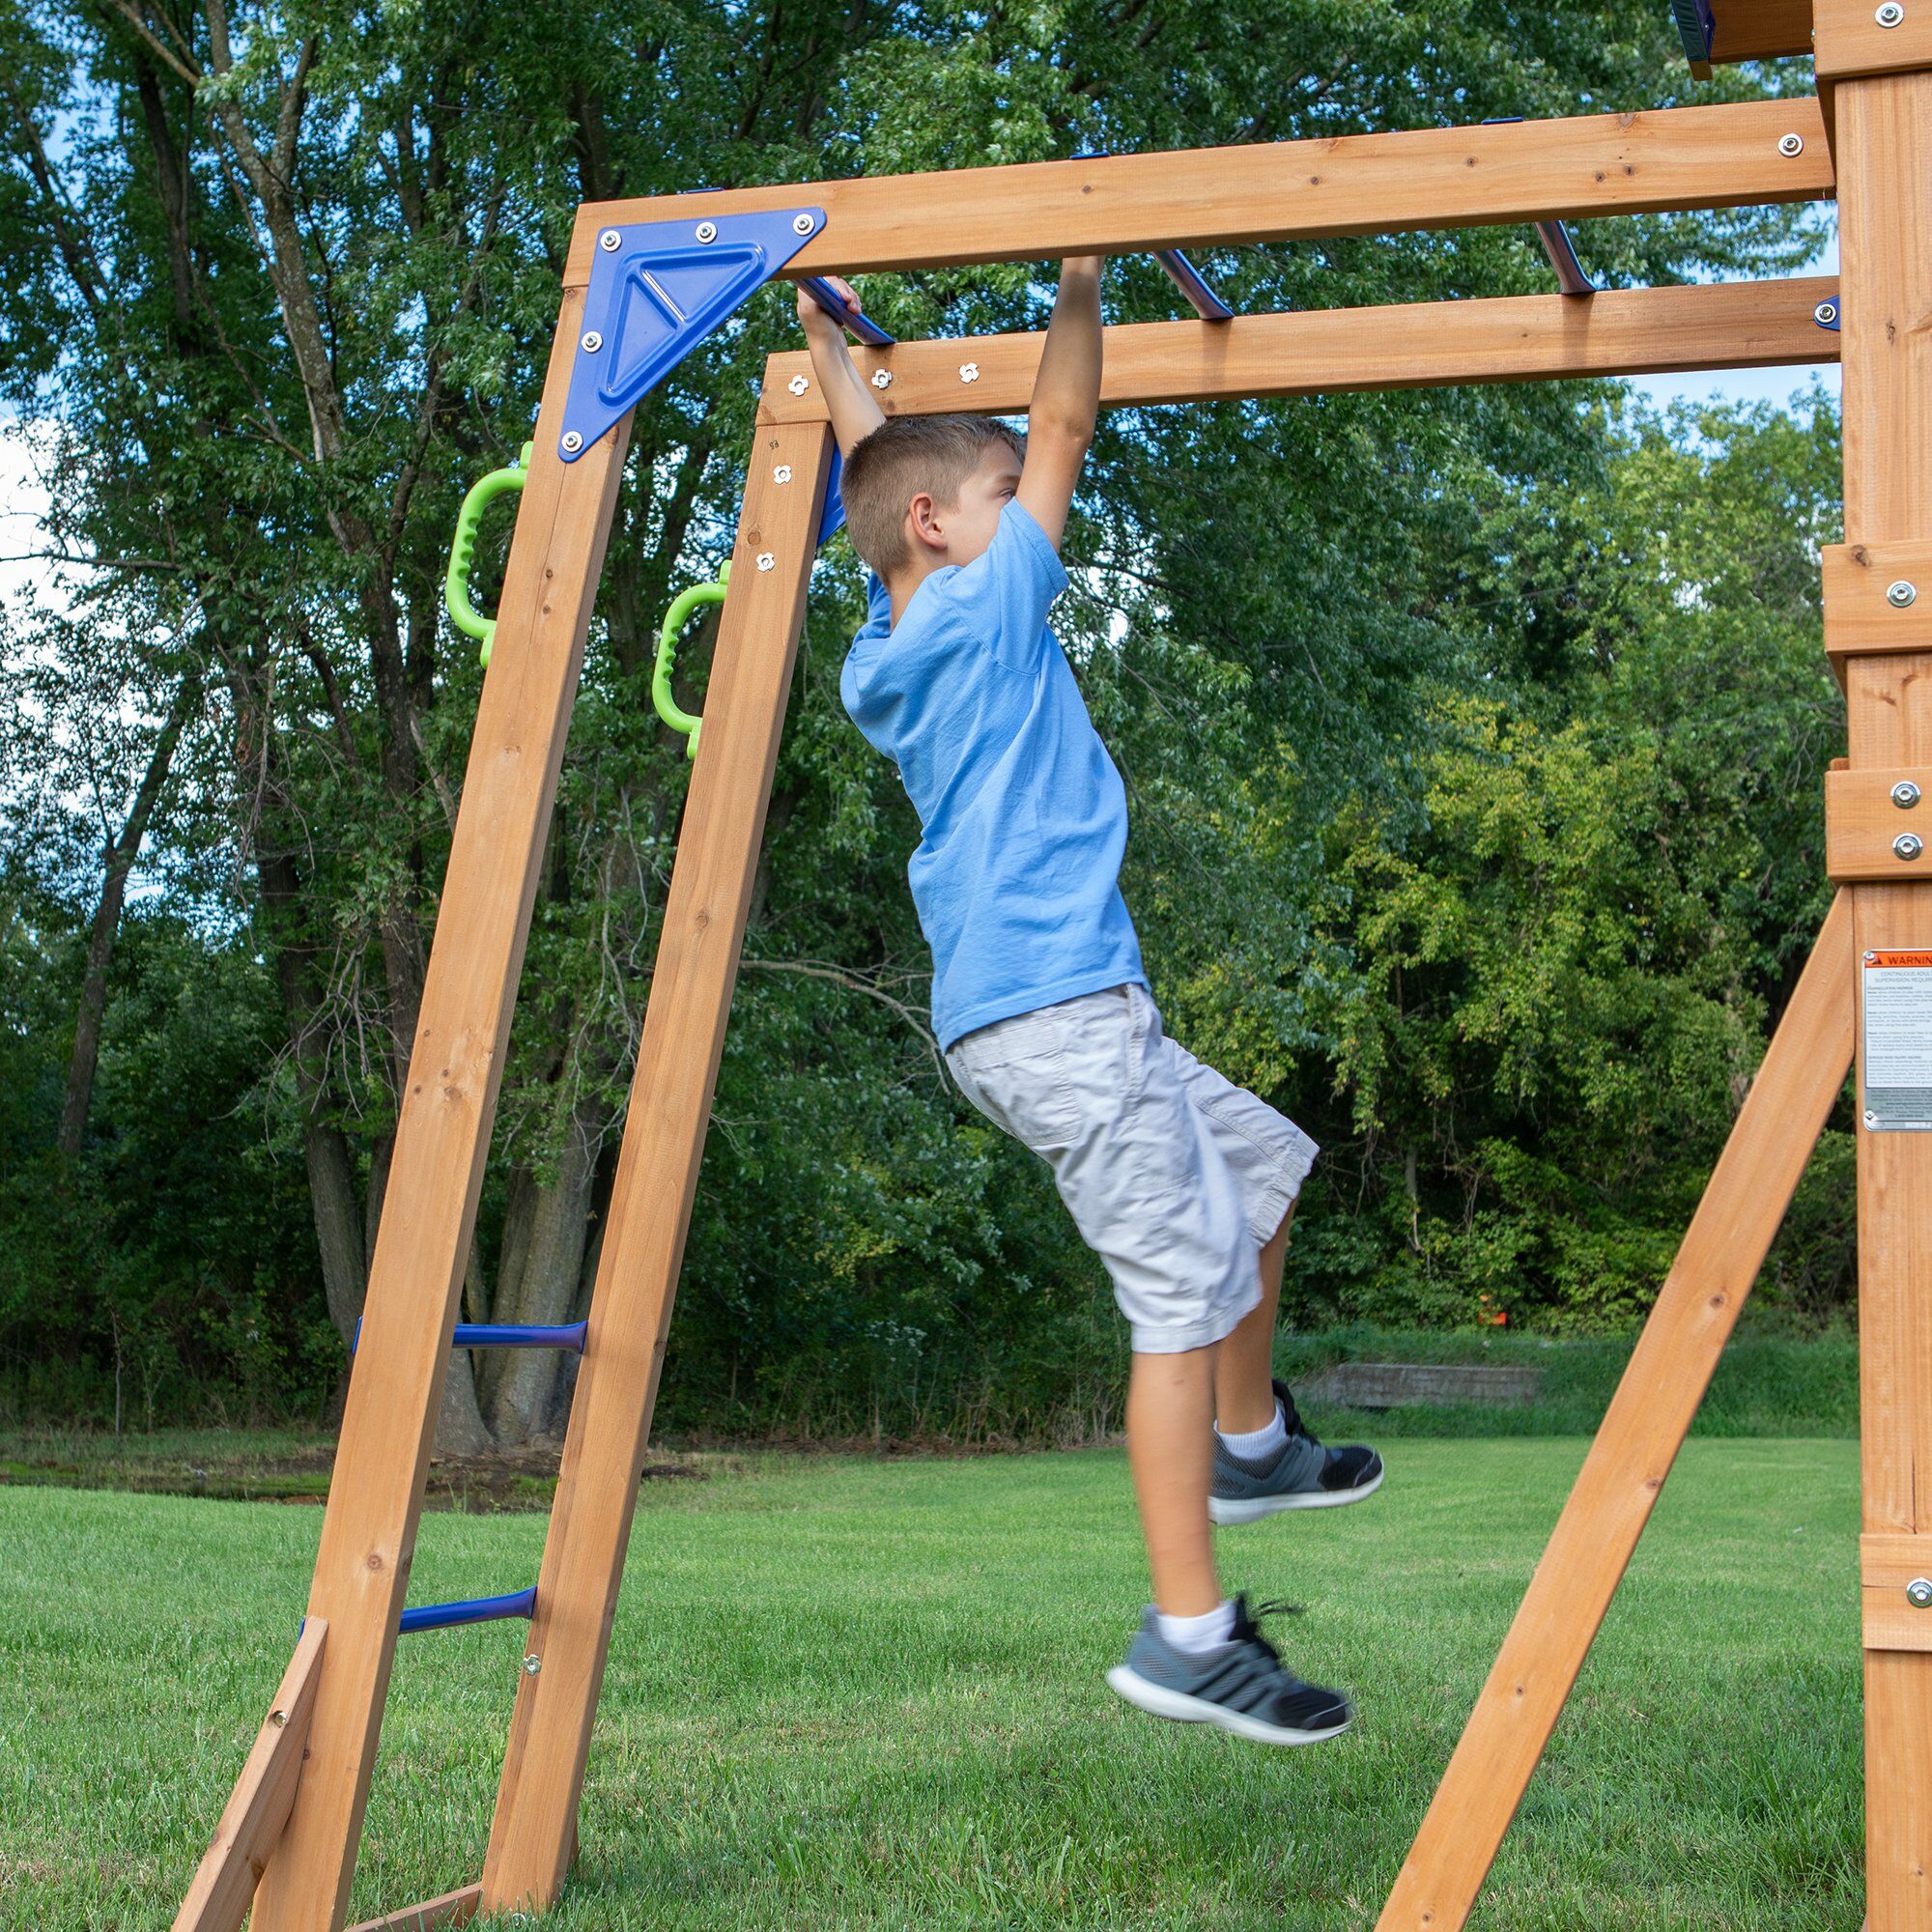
pixel 1761 29
pixel 1510 339
pixel 1851 42
pixel 1679 157
pixel 453 1908
pixel 1866 813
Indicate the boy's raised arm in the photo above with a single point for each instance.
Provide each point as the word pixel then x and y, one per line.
pixel 855 412
pixel 1065 398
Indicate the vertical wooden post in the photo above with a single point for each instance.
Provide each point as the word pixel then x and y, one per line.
pixel 1802 1074
pixel 533 1836
pixel 429 1213
pixel 1885 200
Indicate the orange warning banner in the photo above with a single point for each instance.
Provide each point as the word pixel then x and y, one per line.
pixel 1876 960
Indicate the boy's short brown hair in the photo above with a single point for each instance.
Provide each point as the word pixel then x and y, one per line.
pixel 902 457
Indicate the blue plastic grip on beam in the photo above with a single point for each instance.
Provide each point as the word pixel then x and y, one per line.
pixel 1571 276
pixel 1191 283
pixel 861 325
pixel 473 1610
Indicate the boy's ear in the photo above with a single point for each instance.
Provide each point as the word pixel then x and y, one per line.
pixel 923 520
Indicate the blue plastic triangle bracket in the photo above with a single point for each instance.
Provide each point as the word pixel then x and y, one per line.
pixel 657 289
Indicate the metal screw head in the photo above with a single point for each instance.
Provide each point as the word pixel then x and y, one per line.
pixel 707 231
pixel 766 560
pixel 531 1665
pixel 1871 958
pixel 802 224
pixel 609 241
pixel 782 474
pixel 1791 146
pixel 882 378
pixel 1905 794
pixel 1891 14
pixel 591 342
pixel 1918 1592
pixel 1908 846
pixel 969 372
pixel 1826 315
pixel 1871 1118
pixel 1902 595
pixel 799 385
pixel 278 1719
pixel 572 442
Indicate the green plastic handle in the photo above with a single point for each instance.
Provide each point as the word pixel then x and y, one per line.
pixel 484 491
pixel 675 620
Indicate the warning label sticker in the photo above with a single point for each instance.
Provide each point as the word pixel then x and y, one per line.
pixel 1898 1041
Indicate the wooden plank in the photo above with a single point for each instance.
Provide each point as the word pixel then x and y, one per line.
pixel 1803 1075
pixel 1849 42
pixel 453 1908
pixel 1886 1566
pixel 1885 148
pixel 691 979
pixel 1314 352
pixel 1859 615
pixel 368 1534
pixel 1676 157
pixel 1760 29
pixel 258 1808
pixel 1862 821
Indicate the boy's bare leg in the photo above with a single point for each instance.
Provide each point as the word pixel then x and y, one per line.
pixel 1169 1447
pixel 1245 1363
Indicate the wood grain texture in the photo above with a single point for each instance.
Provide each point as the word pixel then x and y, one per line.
pixel 692 980
pixel 368 1533
pixel 258 1808
pixel 1887 1564
pixel 1761 29
pixel 1678 158
pixel 1862 820
pixel 453 1908
pixel 1804 1074
pixel 1314 352
pixel 1849 42
pixel 1858 616
pixel 1884 151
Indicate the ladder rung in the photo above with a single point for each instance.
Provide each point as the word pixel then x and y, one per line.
pixel 508 1335
pixel 473 1610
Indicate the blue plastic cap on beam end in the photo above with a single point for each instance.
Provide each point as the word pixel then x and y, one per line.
pixel 472 1610
pixel 657 289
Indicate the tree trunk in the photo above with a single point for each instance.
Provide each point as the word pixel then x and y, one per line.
pixel 338 1224
pixel 119 862
pixel 459 1427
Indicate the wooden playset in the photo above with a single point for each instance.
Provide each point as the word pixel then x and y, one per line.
pixel 648 279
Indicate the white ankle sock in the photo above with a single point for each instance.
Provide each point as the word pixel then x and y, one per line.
pixel 1256 1442
pixel 1197 1635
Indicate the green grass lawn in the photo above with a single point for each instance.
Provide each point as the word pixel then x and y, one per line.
pixel 850 1693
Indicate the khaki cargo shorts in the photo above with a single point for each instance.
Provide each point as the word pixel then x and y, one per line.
pixel 1175 1176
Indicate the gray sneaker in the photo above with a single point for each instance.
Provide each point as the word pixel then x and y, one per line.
pixel 1242 1686
pixel 1301 1474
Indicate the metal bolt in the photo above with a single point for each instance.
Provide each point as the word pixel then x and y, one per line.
pixel 782 474
pixel 799 385
pixel 1791 146
pixel 591 342
pixel 882 378
pixel 1908 846
pixel 609 241
pixel 572 442
pixel 1871 1120
pixel 531 1665
pixel 969 372
pixel 1902 595
pixel 1891 14
pixel 1918 1592
pixel 1871 958
pixel 1826 315
pixel 766 560
pixel 278 1719
pixel 802 224
pixel 707 231
pixel 1905 794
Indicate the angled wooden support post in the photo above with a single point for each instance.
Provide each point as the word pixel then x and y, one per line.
pixel 533 1838
pixel 258 1808
pixel 1803 1072
pixel 1885 152
pixel 429 1212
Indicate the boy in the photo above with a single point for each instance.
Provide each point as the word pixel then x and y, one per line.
pixel 1183 1184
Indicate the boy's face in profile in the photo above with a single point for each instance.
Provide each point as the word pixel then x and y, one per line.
pixel 968 525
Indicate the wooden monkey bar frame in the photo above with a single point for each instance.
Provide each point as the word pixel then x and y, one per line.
pixel 297 1817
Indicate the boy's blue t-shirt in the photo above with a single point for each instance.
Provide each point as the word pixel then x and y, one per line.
pixel 1017 877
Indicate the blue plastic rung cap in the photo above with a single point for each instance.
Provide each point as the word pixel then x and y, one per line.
pixel 1193 284
pixel 473 1610
pixel 657 289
